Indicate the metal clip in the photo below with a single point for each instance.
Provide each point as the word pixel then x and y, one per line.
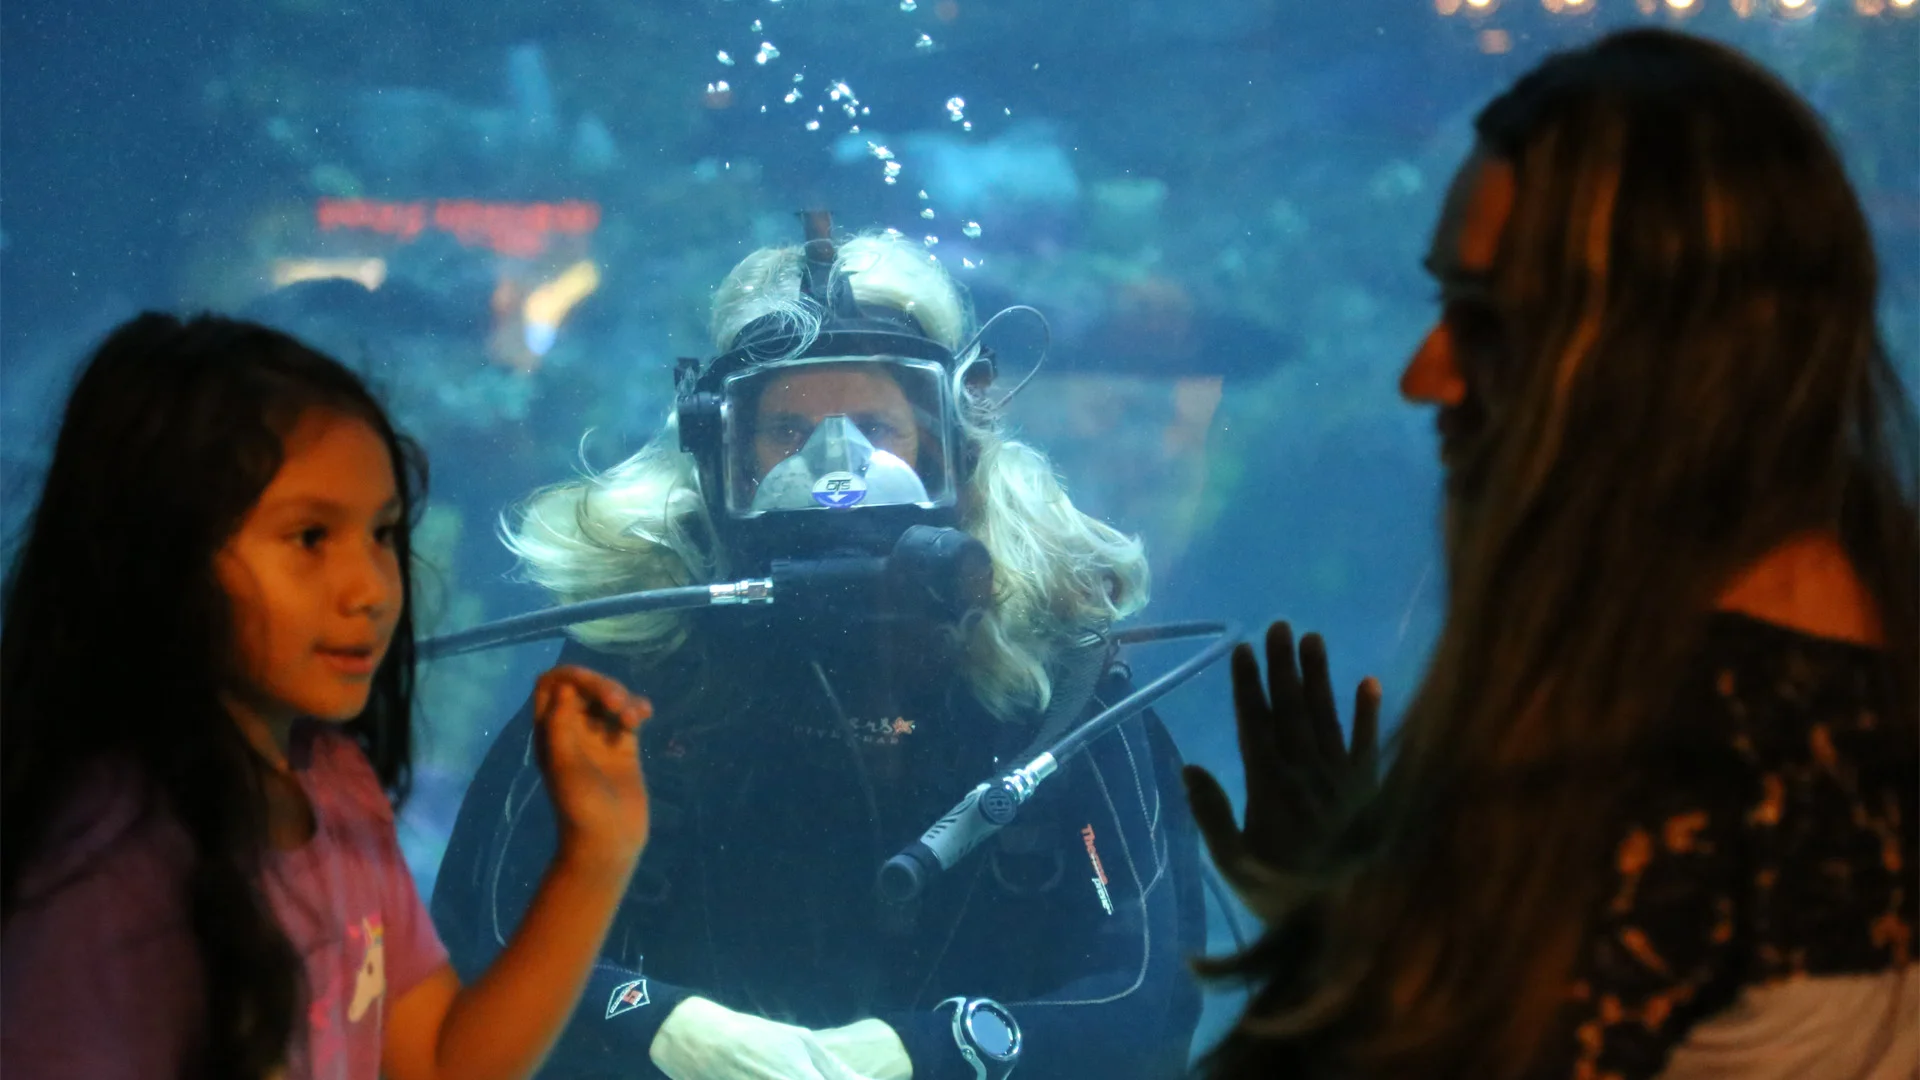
pixel 750 591
pixel 1022 781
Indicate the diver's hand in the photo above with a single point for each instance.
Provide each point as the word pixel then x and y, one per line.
pixel 587 742
pixel 1295 759
pixel 705 1041
pixel 870 1048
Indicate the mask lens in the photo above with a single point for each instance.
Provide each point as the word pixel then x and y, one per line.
pixel 837 434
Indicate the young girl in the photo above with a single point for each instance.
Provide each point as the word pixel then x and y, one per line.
pixel 205 677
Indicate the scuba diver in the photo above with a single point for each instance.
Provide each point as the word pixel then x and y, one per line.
pixel 944 610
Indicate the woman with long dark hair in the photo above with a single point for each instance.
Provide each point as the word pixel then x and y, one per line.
pixel 1652 806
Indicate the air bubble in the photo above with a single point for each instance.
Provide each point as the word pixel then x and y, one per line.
pixel 813 125
pixel 893 169
pixel 724 58
pixel 923 193
pixel 767 52
pixel 956 107
pixel 757 27
pixel 927 213
pixel 792 96
pixel 908 5
pixel 972 230
pixel 931 240
pixel 925 42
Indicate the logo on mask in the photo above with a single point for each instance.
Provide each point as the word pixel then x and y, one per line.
pixel 839 490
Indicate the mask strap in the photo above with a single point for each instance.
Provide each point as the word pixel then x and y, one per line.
pixel 820 254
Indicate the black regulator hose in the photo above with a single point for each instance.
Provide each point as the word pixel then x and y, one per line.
pixel 936 571
pixel 993 805
pixel 553 622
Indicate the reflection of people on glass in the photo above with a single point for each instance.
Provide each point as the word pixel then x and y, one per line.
pixel 798 746
pixel 1652 811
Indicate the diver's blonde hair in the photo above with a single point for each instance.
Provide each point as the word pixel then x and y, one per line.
pixel 643 524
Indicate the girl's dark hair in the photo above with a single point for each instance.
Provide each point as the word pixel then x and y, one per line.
pixel 1687 290
pixel 117 632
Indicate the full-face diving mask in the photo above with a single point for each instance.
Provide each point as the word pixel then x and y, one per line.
pixel 833 444
pixel 836 434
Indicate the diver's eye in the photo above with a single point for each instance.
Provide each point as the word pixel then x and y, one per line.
pixel 785 438
pixel 311 537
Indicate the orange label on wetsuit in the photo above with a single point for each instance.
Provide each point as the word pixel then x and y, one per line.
pixel 1099 872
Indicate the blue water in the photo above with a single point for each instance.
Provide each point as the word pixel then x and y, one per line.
pixel 1220 208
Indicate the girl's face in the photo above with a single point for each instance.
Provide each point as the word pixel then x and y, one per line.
pixel 314 576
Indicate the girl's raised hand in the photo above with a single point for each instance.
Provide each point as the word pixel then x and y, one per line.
pixel 588 745
pixel 503 1025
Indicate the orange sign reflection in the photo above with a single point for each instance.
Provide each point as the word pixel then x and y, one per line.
pixel 521 230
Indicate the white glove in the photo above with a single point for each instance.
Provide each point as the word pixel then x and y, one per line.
pixel 705 1041
pixel 870 1048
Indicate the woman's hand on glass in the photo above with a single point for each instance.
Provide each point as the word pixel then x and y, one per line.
pixel 1297 762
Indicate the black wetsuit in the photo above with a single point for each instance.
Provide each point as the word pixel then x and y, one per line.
pixel 775 802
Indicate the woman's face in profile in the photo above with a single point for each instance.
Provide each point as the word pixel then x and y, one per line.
pixel 1450 369
pixel 793 405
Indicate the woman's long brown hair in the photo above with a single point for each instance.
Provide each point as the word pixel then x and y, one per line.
pixel 1687 287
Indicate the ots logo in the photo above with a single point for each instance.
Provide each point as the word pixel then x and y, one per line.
pixel 838 490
